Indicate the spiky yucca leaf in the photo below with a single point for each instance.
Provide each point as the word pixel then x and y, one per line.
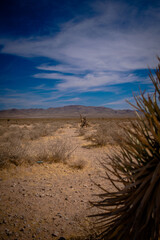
pixel 132 212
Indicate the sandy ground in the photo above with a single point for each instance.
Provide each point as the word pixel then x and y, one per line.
pixel 49 201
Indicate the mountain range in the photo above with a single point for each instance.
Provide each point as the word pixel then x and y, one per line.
pixel 70 111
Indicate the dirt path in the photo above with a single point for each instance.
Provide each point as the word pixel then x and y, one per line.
pixel 48 201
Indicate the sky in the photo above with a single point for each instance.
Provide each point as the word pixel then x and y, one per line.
pixel 72 52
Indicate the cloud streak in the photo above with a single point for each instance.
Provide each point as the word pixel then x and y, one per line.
pixel 113 39
pixel 89 81
pixel 32 99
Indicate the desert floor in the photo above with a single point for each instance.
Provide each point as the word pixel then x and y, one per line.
pixel 49 201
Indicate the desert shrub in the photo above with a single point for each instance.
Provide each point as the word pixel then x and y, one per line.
pixel 26 134
pixel 132 211
pixel 101 137
pixel 81 131
pixel 11 149
pixel 42 130
pixel 2 130
pixel 13 133
pixel 79 164
pixel 35 132
pixel 106 133
pixel 12 136
pixel 57 151
pixel 12 153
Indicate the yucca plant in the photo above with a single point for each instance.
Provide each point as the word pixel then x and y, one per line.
pixel 132 211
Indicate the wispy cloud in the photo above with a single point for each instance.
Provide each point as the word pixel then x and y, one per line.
pixel 88 81
pixel 32 99
pixel 21 100
pixel 61 68
pixel 72 100
pixel 122 103
pixel 114 39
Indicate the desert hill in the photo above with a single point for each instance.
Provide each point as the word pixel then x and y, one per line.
pixel 70 111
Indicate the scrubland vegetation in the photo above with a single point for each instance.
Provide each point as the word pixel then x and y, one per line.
pixel 24 141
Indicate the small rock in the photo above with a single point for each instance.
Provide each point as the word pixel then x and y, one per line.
pixel 85 186
pixel 55 234
pixel 38 230
pixel 16 234
pixel 8 233
pixel 58 214
pixel 4 221
pixel 41 195
pixel 13 185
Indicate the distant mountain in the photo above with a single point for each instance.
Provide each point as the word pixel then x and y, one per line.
pixel 66 112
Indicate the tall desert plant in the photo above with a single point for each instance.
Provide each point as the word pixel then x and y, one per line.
pixel 132 211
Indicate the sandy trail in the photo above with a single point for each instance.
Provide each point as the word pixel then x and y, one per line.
pixel 47 201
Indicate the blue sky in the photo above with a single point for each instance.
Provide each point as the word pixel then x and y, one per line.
pixel 93 53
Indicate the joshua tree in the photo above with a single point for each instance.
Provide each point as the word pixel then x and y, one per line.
pixel 132 211
pixel 84 122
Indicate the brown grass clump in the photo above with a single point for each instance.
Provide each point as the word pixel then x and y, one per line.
pixel 18 138
pixel 57 151
pixel 41 130
pixel 81 132
pixel 132 212
pixel 26 132
pixel 79 164
pixel 106 133
pixel 2 130
pixel 12 153
pixel 101 137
